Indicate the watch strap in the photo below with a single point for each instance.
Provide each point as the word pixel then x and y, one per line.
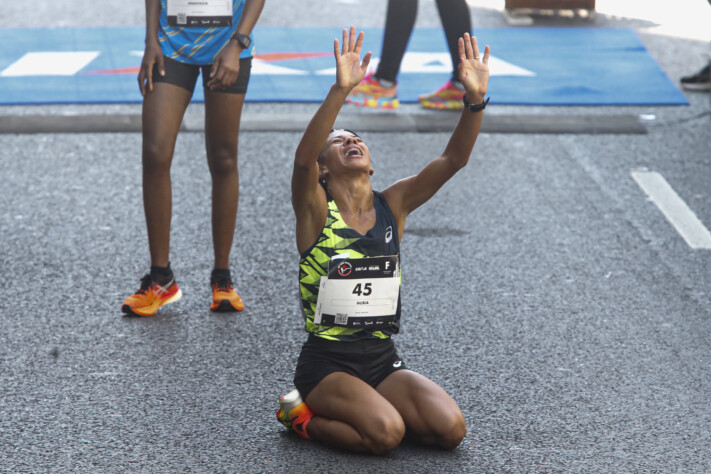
pixel 475 107
pixel 242 39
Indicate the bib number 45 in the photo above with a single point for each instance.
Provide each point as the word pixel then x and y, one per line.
pixel 364 289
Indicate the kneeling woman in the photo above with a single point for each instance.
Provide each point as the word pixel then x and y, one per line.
pixel 353 390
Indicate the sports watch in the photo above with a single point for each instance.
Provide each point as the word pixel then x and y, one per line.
pixel 243 40
pixel 475 107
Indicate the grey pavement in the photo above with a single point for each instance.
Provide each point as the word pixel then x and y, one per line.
pixel 541 288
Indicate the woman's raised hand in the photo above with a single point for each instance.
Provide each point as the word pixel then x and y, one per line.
pixel 349 68
pixel 473 69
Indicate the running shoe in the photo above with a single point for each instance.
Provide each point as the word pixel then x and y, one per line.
pixel 701 81
pixel 371 93
pixel 151 296
pixel 294 413
pixel 224 296
pixel 447 97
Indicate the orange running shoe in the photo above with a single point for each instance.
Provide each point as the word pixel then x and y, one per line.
pixel 224 297
pixel 294 413
pixel 370 93
pixel 151 296
pixel 447 97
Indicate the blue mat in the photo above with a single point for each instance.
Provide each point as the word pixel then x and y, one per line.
pixel 529 66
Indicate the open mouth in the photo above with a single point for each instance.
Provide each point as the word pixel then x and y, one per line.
pixel 353 152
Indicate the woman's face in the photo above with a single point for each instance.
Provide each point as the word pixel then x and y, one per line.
pixel 345 151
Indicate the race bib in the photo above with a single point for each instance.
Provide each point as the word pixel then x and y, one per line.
pixel 202 13
pixel 359 292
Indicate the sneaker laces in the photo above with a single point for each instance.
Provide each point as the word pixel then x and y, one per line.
pixel 223 284
pixel 146 283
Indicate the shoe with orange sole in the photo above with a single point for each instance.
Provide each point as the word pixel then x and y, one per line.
pixel 370 93
pixel 447 97
pixel 294 413
pixel 151 296
pixel 224 297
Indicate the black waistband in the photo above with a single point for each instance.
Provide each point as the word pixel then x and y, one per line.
pixel 346 346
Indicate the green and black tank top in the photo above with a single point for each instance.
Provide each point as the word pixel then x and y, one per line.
pixel 339 240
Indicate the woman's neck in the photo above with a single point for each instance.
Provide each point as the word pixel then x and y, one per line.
pixel 355 203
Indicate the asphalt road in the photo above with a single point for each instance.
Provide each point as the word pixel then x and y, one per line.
pixel 542 289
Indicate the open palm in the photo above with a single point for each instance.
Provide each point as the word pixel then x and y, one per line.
pixel 349 68
pixel 473 70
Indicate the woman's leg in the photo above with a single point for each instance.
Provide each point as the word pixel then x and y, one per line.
pixel 399 22
pixel 350 414
pixel 430 414
pixel 223 112
pixel 163 110
pixel 456 20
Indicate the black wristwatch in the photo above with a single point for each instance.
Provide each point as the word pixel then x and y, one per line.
pixel 243 40
pixel 475 107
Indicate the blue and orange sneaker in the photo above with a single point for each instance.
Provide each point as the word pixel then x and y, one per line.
pixel 151 296
pixel 371 93
pixel 294 413
pixel 447 97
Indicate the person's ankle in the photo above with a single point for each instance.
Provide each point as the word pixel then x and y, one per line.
pixel 161 275
pixel 385 82
pixel 457 84
pixel 219 274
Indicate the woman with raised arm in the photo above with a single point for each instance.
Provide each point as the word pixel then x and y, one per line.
pixel 353 391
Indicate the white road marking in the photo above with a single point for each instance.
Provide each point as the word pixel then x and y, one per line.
pixel 263 67
pixel 50 63
pixel 696 235
pixel 434 63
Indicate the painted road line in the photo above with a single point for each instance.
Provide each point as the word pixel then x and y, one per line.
pixel 696 235
pixel 67 63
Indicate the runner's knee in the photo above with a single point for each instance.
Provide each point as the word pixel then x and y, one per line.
pixel 156 158
pixel 384 435
pixel 223 160
pixel 452 431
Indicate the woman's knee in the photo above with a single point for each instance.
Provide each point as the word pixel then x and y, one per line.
pixel 157 157
pixel 222 161
pixel 452 431
pixel 384 434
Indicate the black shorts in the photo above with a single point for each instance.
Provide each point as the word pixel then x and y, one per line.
pixel 185 75
pixel 371 360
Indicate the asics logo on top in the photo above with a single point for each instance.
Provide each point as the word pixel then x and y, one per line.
pixel 388 234
pixel 163 289
pixel 397 364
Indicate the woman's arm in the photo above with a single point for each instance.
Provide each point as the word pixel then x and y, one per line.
pixel 307 197
pixel 225 67
pixel 152 53
pixel 408 194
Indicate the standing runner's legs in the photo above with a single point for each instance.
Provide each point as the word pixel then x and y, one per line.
pixel 456 20
pixel 399 23
pixel 223 112
pixel 163 110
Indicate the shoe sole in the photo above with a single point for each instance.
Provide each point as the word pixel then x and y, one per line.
pixel 225 306
pixel 286 423
pixel 696 87
pixel 373 103
pixel 441 104
pixel 131 312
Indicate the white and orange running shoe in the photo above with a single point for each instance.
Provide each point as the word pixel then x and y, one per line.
pixel 151 296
